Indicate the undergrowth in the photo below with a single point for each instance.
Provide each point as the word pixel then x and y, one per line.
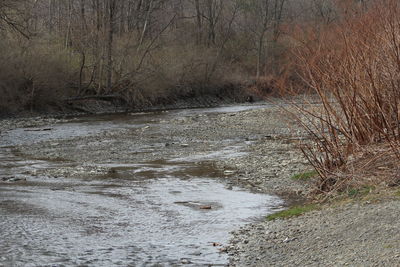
pixel 353 67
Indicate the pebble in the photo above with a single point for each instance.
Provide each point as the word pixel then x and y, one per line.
pixel 185 261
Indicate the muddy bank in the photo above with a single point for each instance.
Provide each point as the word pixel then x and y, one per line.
pixel 110 104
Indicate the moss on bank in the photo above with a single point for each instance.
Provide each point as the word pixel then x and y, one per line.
pixel 305 175
pixel 292 212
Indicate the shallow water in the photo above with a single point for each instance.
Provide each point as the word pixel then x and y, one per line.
pixel 167 212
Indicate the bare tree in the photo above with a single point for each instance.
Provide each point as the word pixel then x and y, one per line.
pixel 13 17
pixel 111 8
pixel 263 17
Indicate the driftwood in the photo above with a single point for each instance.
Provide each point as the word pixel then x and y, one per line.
pixel 38 130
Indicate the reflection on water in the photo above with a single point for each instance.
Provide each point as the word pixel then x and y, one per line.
pixel 168 212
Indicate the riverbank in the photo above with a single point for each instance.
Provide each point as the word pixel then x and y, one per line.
pixel 356 230
pixel 94 105
pixel 251 148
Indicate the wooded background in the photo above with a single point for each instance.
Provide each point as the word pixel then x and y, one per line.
pixel 147 51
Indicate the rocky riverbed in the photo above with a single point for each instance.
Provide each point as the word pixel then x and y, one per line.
pixel 254 147
pixel 249 147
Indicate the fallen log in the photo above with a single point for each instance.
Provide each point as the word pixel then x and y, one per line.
pixel 94 97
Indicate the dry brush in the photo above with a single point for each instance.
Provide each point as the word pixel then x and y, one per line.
pixel 353 66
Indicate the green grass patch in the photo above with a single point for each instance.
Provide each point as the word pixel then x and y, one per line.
pixel 292 212
pixel 305 175
pixel 389 246
pixel 359 192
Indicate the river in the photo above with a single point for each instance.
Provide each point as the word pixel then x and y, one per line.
pixel 171 211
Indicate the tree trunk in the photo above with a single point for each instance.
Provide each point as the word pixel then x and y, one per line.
pixel 146 21
pixel 51 16
pixel 121 28
pixel 110 42
pixel 68 32
pixel 83 16
pixel 199 22
pixel 211 22
pixel 259 55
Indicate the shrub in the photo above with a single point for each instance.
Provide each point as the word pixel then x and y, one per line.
pixel 354 68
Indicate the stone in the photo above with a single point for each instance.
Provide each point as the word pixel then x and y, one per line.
pixel 185 261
